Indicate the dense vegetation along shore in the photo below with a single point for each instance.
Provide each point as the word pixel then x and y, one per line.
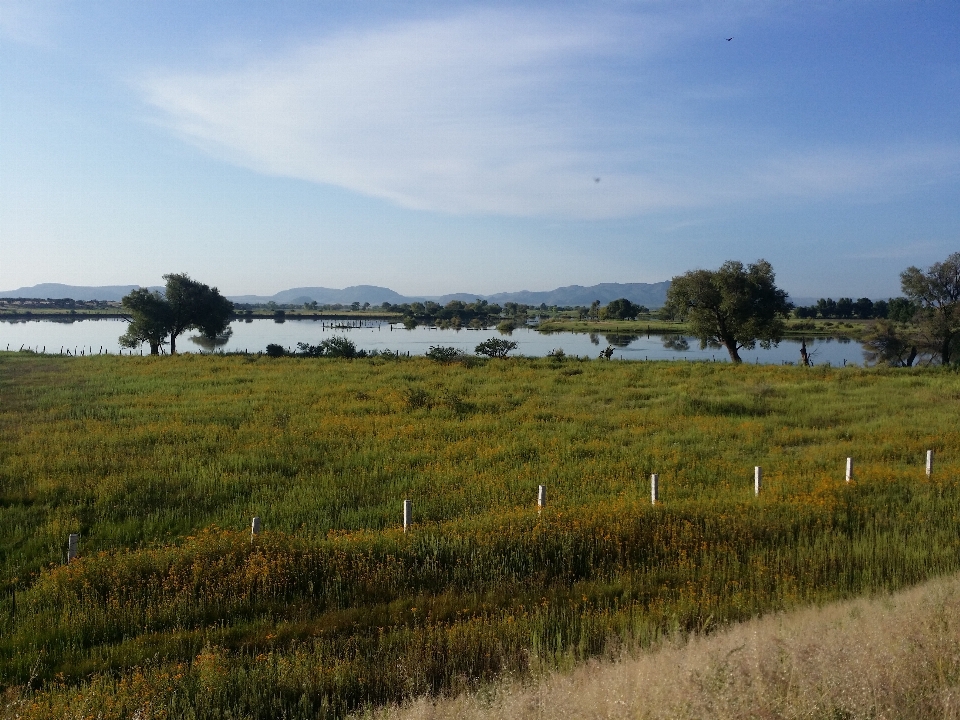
pixel 850 328
pixel 173 610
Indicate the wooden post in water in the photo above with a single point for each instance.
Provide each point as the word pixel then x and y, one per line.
pixel 254 527
pixel 407 514
pixel 541 497
pixel 73 546
pixel 849 469
pixel 929 463
pixel 654 489
pixel 757 479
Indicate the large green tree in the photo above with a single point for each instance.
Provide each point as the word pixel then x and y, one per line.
pixel 621 309
pixel 195 306
pixel 185 305
pixel 936 292
pixel 150 320
pixel 734 307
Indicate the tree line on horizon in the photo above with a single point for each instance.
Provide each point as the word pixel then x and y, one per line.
pixel 899 309
pixel 458 313
pixel 734 307
pixel 737 307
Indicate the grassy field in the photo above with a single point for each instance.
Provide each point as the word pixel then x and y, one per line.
pixel 172 611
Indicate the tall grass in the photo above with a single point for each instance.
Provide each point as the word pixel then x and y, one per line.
pixel 172 611
pixel 888 656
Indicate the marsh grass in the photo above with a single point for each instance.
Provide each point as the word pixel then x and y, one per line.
pixel 171 611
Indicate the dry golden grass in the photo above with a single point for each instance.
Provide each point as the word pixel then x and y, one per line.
pixel 892 656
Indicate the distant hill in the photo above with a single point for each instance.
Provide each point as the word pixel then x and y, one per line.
pixel 650 294
pixel 327 296
pixel 58 291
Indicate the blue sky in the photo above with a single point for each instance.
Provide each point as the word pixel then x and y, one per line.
pixel 454 146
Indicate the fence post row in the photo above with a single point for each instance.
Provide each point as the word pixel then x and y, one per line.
pixel 73 543
pixel 541 501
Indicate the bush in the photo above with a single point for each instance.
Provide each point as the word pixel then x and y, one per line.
pixel 443 354
pixel 341 347
pixel 309 350
pixel 336 346
pixel 507 327
pixel 274 350
pixel 417 398
pixel 495 347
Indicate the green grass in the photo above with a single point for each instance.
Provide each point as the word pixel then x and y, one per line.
pixel 160 463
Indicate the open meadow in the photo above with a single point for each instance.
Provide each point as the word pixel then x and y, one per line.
pixel 173 611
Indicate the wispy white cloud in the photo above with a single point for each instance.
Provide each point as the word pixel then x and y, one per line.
pixel 826 172
pixel 29 21
pixel 504 112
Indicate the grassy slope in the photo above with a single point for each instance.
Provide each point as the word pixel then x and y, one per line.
pixel 889 656
pixel 333 607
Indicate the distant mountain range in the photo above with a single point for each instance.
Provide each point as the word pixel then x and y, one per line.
pixel 58 291
pixel 650 294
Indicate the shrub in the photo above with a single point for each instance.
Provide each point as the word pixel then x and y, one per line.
pixel 495 347
pixel 336 346
pixel 274 350
pixel 417 398
pixel 443 354
pixel 341 347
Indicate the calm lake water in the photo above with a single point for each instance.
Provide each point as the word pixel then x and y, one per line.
pixel 253 336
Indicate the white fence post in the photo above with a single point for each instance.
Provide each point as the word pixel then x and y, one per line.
pixel 849 469
pixel 757 479
pixel 73 543
pixel 541 497
pixel 407 514
pixel 654 489
pixel 254 528
pixel 929 463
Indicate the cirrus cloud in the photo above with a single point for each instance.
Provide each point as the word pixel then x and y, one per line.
pixel 508 113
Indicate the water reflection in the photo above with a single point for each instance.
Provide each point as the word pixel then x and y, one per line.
pixel 211 344
pixel 253 335
pixel 676 343
pixel 621 340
